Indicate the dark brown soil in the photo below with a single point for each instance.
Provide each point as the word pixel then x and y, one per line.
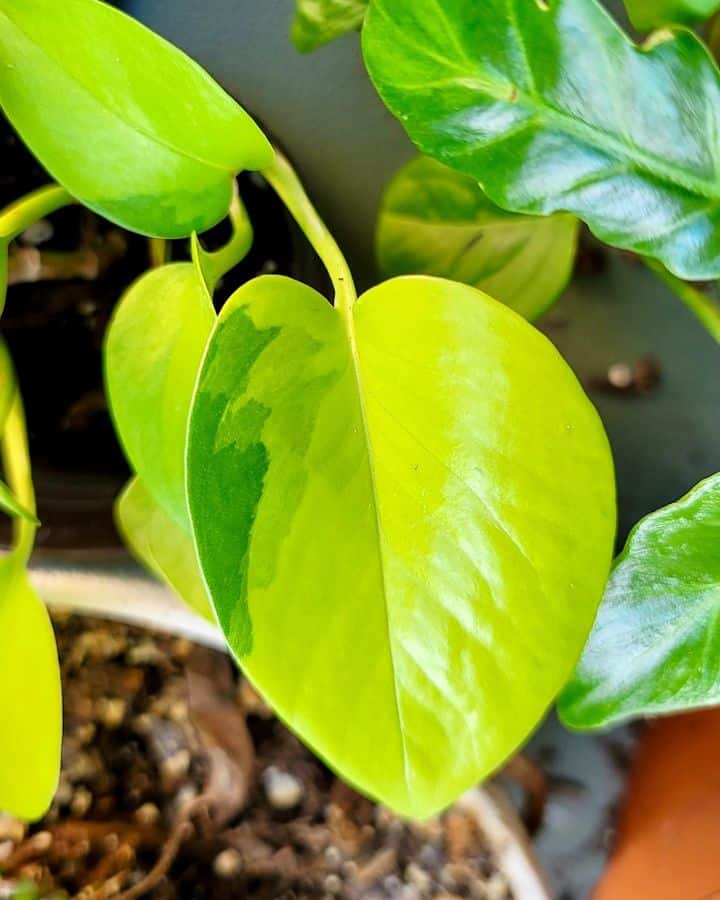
pixel 178 782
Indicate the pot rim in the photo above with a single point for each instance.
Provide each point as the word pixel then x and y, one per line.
pixel 112 586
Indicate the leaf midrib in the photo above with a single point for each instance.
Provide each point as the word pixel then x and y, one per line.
pixel 544 114
pixel 349 322
pixel 150 136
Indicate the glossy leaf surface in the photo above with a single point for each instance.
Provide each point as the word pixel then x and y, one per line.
pixel 404 515
pixel 159 544
pixel 318 22
pixel 435 221
pixel 654 647
pixel 30 704
pixel 551 107
pixel 126 122
pixel 648 14
pixel 153 351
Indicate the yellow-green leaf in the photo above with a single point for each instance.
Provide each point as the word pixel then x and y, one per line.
pixel 30 703
pixel 318 22
pixel 161 545
pixel 126 122
pixel 153 350
pixel 435 221
pixel 404 514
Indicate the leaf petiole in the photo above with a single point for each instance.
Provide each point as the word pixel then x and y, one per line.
pixel 698 302
pixel 14 219
pixel 159 252
pixel 16 464
pixel 214 264
pixel 283 179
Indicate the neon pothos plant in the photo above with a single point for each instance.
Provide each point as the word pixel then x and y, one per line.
pixel 399 507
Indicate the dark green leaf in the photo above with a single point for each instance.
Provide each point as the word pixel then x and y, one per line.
pixel 404 514
pixel 318 22
pixel 655 647
pixel 126 122
pixel 435 221
pixel 551 107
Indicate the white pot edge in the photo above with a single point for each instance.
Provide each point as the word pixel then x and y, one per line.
pixel 122 593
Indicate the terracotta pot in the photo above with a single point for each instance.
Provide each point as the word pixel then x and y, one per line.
pixel 668 845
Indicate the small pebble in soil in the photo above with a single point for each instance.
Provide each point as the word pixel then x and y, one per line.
pixel 284 791
pixel 418 877
pixel 147 815
pixel 111 711
pixel 228 864
pixel 81 802
pixel 11 829
pixel 333 884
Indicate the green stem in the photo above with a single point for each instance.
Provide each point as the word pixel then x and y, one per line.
pixel 286 184
pixel 158 252
pixel 216 263
pixel 702 306
pixel 14 219
pixel 16 464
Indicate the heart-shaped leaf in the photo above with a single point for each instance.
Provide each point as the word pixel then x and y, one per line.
pixel 435 221
pixel 317 22
pixel 648 14
pixel 161 546
pixel 654 647
pixel 153 350
pixel 551 107
pixel 30 703
pixel 404 514
pixel 126 122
